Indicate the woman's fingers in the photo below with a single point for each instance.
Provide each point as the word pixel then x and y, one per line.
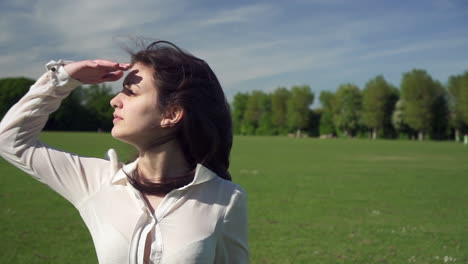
pixel 113 76
pixel 125 66
pixel 96 71
pixel 112 65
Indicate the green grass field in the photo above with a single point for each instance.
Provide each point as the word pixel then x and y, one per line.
pixel 310 201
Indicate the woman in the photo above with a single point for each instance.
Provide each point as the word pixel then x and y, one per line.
pixel 175 203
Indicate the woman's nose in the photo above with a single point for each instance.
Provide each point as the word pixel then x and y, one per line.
pixel 116 102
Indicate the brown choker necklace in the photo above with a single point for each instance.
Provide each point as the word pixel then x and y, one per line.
pixel 160 188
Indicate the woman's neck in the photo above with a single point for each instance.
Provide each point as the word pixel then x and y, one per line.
pixel 162 162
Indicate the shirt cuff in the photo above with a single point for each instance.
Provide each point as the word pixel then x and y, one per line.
pixel 59 76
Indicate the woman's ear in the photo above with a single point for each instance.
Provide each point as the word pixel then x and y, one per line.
pixel 173 115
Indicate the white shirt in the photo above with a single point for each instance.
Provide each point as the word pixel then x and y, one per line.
pixel 202 222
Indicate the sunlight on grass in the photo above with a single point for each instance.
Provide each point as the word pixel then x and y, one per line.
pixel 310 201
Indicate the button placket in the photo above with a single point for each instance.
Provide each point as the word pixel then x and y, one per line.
pixel 142 240
pixel 166 204
pixel 159 215
pixel 147 223
pixel 135 256
pixel 156 253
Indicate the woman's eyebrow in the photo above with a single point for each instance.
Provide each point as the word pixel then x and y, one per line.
pixel 133 78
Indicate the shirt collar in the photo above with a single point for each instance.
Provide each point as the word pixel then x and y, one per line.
pixel 202 174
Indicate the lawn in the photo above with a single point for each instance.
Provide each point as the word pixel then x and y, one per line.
pixel 310 201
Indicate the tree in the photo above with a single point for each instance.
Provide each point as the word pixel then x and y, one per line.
pixel 326 126
pixel 279 109
pixel 96 99
pixel 298 107
pixel 72 115
pixel 85 109
pixel 377 104
pixel 420 93
pixel 398 119
pixel 239 105
pixel 347 108
pixel 258 105
pixel 441 115
pixel 388 129
pixel 463 98
pixel 265 125
pixel 314 122
pixel 326 99
pixel 458 101
pixel 11 90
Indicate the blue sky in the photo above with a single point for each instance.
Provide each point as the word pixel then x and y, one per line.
pixel 249 44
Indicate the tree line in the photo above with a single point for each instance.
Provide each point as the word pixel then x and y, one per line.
pixel 87 108
pixel 420 108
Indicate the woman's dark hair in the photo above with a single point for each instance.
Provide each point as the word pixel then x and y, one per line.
pixel 205 132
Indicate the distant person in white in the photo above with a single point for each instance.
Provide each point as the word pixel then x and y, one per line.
pixel 175 203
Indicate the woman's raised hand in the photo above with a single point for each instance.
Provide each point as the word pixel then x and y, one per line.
pixel 96 71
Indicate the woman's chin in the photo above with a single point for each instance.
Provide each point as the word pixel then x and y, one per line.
pixel 121 136
pixel 114 133
pixel 117 134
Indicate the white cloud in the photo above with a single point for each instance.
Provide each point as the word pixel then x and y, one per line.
pixel 242 43
pixel 239 15
pixel 89 26
pixel 421 46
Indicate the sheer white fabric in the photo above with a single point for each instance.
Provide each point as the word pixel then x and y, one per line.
pixel 203 222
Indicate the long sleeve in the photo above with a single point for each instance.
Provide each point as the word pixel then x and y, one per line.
pixel 72 176
pixel 233 246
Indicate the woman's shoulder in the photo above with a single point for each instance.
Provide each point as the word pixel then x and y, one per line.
pixel 113 158
pixel 205 174
pixel 233 186
pixel 114 165
pixel 229 188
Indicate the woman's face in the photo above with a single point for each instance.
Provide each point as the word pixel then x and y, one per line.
pixel 137 119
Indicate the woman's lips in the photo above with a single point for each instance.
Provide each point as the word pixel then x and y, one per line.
pixel 117 118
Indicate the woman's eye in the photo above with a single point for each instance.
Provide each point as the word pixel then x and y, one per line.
pixel 126 89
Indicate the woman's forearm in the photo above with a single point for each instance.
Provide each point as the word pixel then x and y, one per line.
pixel 21 125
